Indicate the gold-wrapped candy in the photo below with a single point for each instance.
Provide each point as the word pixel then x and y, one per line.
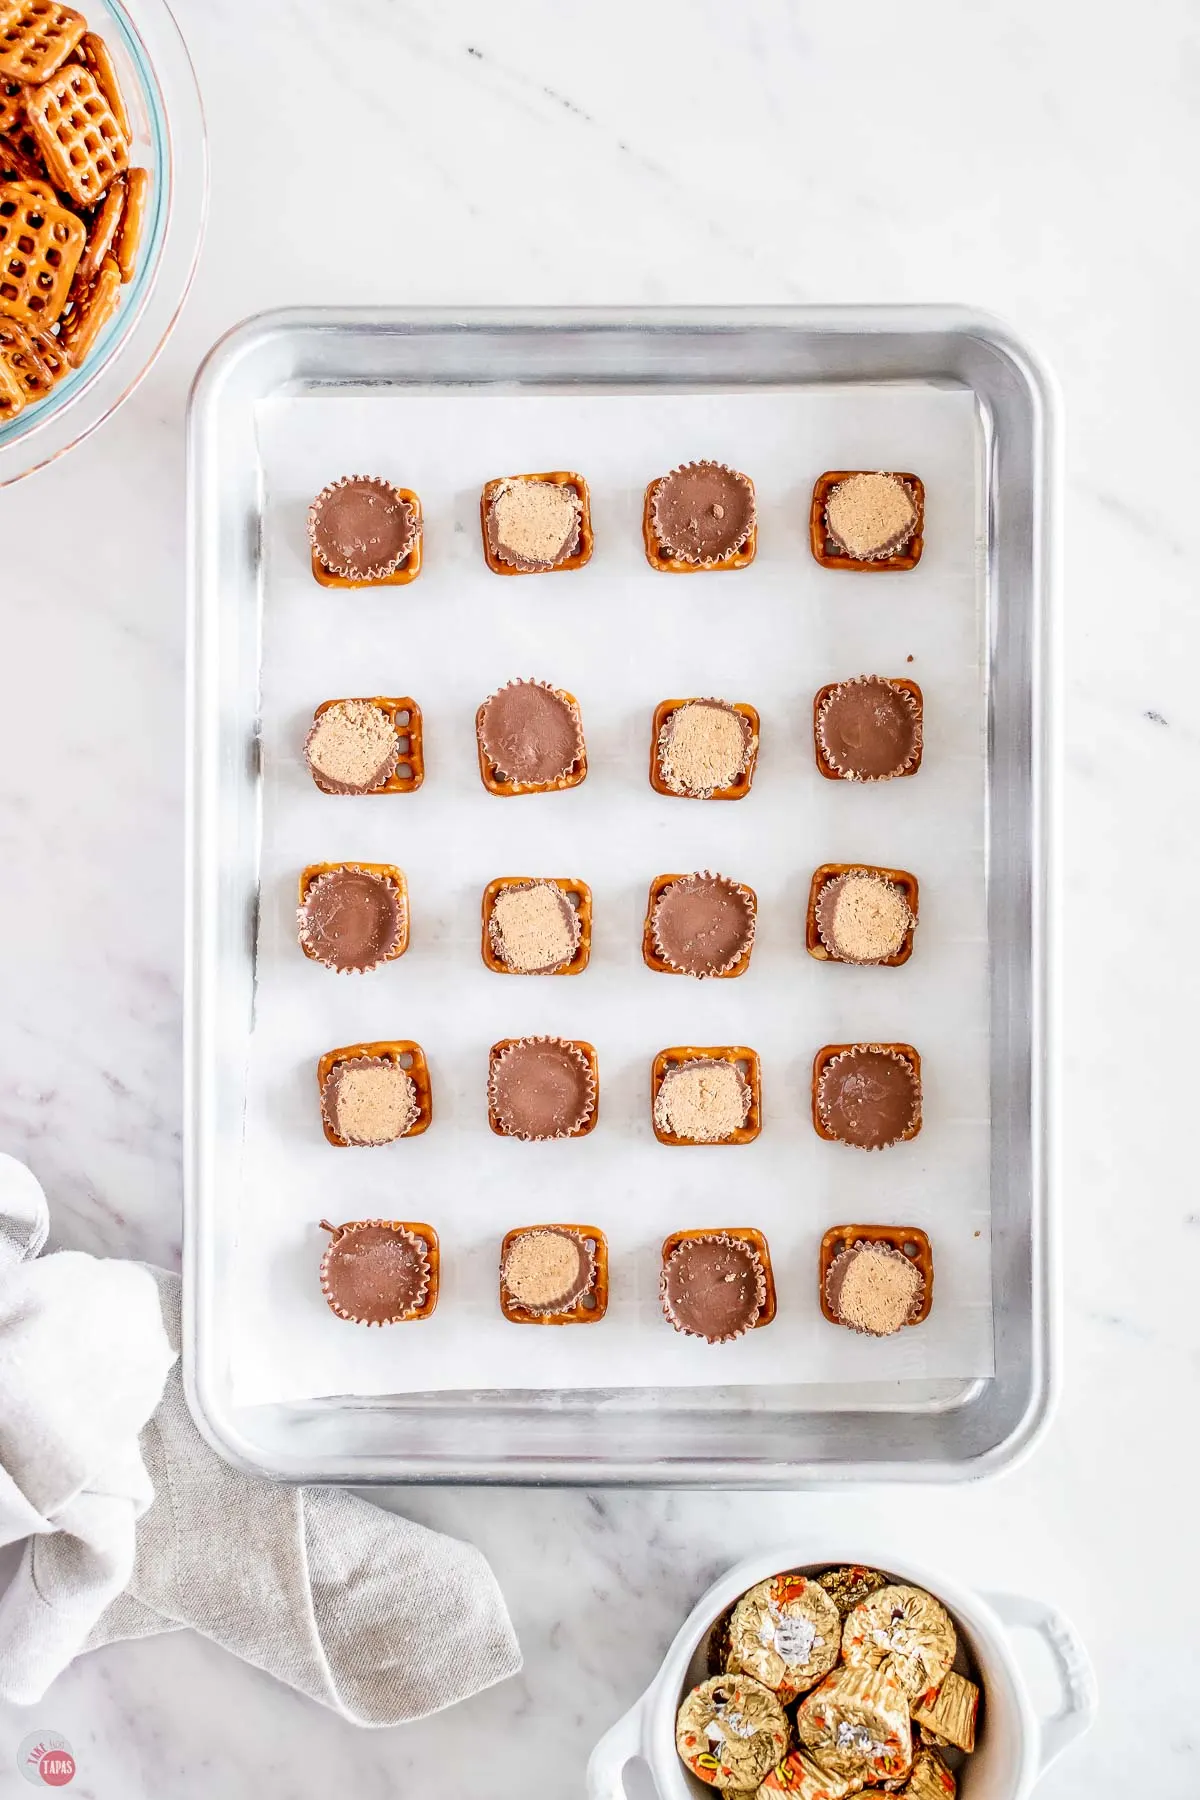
pixel 857 1724
pixel 803 1777
pixel 948 1712
pixel 731 1731
pixel 908 1630
pixel 849 1587
pixel 930 1779
pixel 786 1632
pixel 717 1647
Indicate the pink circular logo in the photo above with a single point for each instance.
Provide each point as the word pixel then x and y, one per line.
pixel 46 1759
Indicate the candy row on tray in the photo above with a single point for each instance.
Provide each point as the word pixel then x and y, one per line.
pixel 530 740
pixel 714 1284
pixel 364 531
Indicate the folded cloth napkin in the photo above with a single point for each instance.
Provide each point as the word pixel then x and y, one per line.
pixel 134 1525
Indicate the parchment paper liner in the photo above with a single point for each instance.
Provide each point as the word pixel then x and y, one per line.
pixel 669 551
pixel 914 1124
pixel 838 1268
pixel 744 948
pixel 419 1244
pixel 386 951
pixel 662 744
pixel 377 571
pixel 587 1108
pixel 564 1302
pixel 327 783
pixel 727 1240
pixel 907 702
pixel 894 544
pixel 570 705
pixel 329 1095
pixel 823 905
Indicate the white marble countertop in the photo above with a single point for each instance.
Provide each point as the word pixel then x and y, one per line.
pixel 1038 161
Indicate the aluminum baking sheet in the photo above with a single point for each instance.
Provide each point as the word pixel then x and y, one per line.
pixel 621 637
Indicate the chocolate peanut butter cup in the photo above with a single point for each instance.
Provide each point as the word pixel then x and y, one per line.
pixel 787 1633
pixel 874 1289
pixel 541 1088
pixel 352 748
pixel 869 729
pixel 862 917
pixel 362 528
pixel 705 1100
pixel 867 1095
pixel 377 1271
pixel 713 1286
pixel 547 1270
pixel 905 1630
pixel 730 1732
pixel 530 739
pixel 701 924
pixel 533 929
pixel 857 1724
pixel 534 523
pixel 704 747
pixel 701 514
pixel 872 515
pixel 369 1100
pixel 351 919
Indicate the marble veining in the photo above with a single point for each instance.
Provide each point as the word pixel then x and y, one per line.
pixel 1037 162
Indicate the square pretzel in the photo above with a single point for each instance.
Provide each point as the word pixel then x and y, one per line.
pixel 81 143
pixel 560 478
pixel 650 955
pixel 20 160
pixel 387 871
pixel 12 394
pixel 102 235
pixel 659 559
pixel 405 715
pixel 827 552
pixel 408 571
pixel 40 247
pixel 12 104
pixel 589 1051
pixel 50 351
pixel 495 783
pixel 86 318
pixel 95 55
pixel 21 357
pixel 742 1058
pixel 898 681
pixel 829 872
pixel 738 788
pixel 746 1235
pixel 408 1056
pixel 129 236
pixel 908 1239
pixel 825 1056
pixel 578 893
pixel 36 36
pixel 579 1314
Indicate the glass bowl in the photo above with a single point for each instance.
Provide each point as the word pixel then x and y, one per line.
pixel 160 91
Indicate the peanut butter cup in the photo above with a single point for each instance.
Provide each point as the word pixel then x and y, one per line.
pixel 874 1289
pixel 351 919
pixel 863 917
pixel 369 1100
pixel 703 1100
pixel 868 729
pixel 352 747
pixel 378 1271
pixel 701 925
pixel 535 523
pixel 713 1286
pixel 867 1095
pixel 704 749
pixel 701 515
pixel 530 739
pixel 547 1270
pixel 867 519
pixel 532 927
pixel 362 529
pixel 541 1088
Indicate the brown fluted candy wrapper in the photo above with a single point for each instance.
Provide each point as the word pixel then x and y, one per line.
pixel 361 528
pixel 714 1287
pixel 869 1096
pixel 374 1271
pixel 351 919
pixel 703 924
pixel 949 1711
pixel 541 1088
pixel 857 1724
pixel 730 1732
pixel 904 1629
pixel 531 733
pixel 869 729
pixel 848 1587
pixel 787 1633
pixel 702 512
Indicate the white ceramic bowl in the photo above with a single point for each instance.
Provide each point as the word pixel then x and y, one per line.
pixel 1016 1744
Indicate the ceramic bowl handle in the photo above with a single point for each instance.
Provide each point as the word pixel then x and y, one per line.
pixel 607 1761
pixel 1080 1698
